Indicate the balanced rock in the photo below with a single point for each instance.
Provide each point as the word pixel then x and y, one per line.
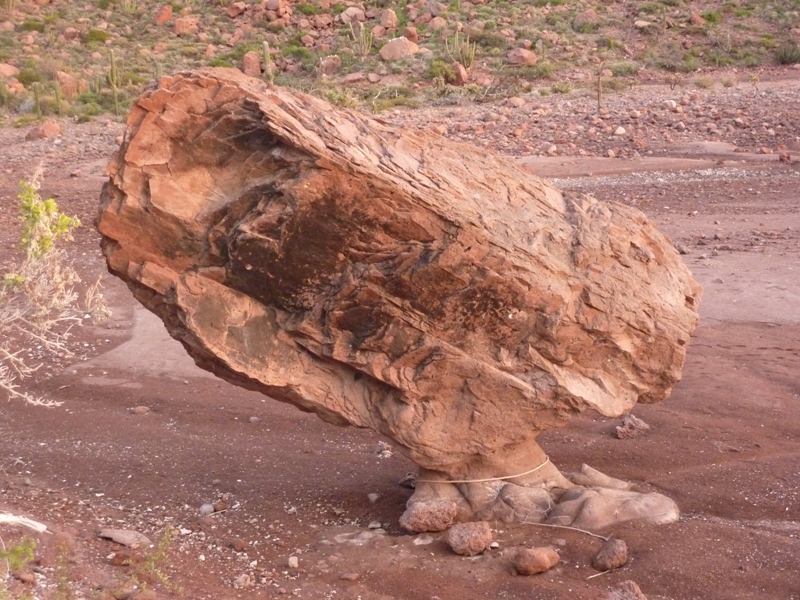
pixel 395 280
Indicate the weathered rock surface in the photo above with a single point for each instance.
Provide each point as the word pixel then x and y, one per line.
pixel 612 555
pixel 469 539
pixel 393 280
pixel 532 561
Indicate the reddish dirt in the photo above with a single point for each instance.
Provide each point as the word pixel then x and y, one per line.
pixel 725 445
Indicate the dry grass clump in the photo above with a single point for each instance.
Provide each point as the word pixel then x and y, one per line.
pixel 38 301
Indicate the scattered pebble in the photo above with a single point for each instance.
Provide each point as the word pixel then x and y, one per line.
pixel 530 561
pixel 631 427
pixel 612 555
pixel 469 539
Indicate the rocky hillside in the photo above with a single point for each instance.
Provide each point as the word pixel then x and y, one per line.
pixel 83 58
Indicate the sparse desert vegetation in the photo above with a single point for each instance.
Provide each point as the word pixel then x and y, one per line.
pixel 81 59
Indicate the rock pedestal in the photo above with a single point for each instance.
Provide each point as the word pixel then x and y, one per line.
pixel 392 280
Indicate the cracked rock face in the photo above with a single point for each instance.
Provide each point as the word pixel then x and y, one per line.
pixel 392 280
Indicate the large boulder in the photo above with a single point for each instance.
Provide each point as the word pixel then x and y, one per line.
pixel 398 281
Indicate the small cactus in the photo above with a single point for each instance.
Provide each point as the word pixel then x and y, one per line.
pixel 268 64
pixel 57 88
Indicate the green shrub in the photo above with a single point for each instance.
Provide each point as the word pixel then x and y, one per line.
pixel 220 62
pixel 340 97
pixel 299 52
pixel 103 4
pixel 32 25
pixel 307 9
pixel 712 17
pixel 29 76
pixel 487 39
pixel 541 70
pixel 624 69
pixel 97 36
pixel 561 87
pixel 440 70
pixel 584 27
pixel 788 54
pixel 650 8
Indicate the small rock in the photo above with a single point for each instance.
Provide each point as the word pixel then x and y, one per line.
pixel 469 539
pixel 330 65
pixel 251 64
pixel 125 537
pixel 695 18
pixel 389 19
pixel 254 419
pixel 409 481
pixel 530 561
pixel 220 506
pixel 521 56
pixel 48 129
pixel 350 577
pixel 236 9
pixel 383 450
pixel 460 75
pixel 430 515
pixel 411 34
pixel 631 427
pixel 186 25
pixel 293 562
pixel 627 590
pixel 398 48
pixel 163 15
pixel 437 23
pixel 206 509
pixel 586 20
pixel 373 497
pixel 238 544
pixel 243 581
pixel 612 555
pixel 7 70
pixel 436 8
pixel 26 577
pixel 423 540
pixel 619 130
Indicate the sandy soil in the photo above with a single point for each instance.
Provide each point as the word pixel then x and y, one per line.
pixel 725 445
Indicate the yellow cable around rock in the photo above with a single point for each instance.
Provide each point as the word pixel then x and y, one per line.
pixel 488 479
